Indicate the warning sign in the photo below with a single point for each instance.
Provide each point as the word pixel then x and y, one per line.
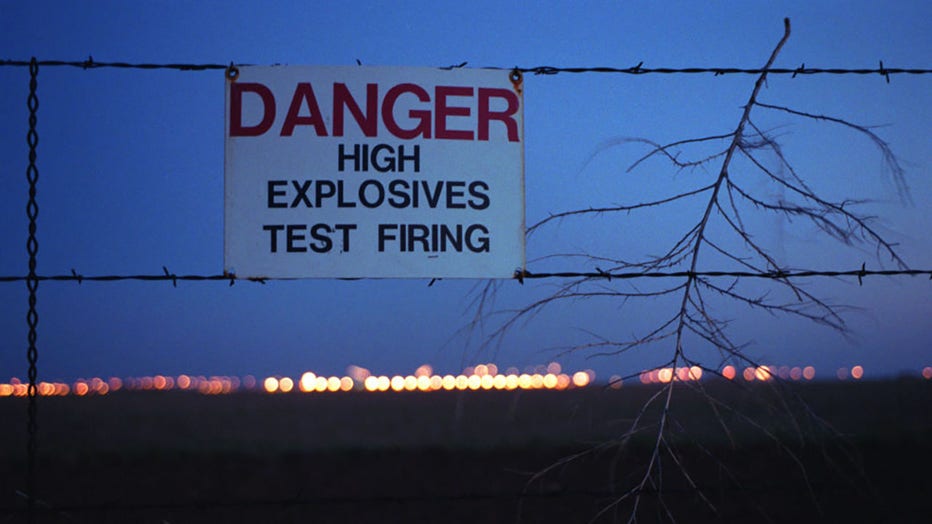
pixel 351 172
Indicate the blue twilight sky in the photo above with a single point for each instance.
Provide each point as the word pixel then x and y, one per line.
pixel 131 167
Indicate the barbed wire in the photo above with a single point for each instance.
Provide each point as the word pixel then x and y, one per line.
pixel 520 275
pixel 638 69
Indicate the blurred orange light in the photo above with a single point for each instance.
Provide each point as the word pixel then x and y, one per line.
pixel 563 381
pixel 473 382
pixel 6 390
pixel 346 384
pixel 580 379
pixel 857 372
pixel 115 384
pixel 425 370
pixel 537 381
pixel 285 384
pixel 796 373
pixel 159 382
pixel 184 381
pixel 487 381
pixel 398 383
pixel 436 383
pixel 358 374
pixel 499 381
pixel 371 383
pixel 808 372
pixel 927 372
pixel 423 383
pixel 749 374
pixel 493 369
pixel 308 382
pixel 695 373
pixel 763 373
pixel 270 385
pixel 511 381
pixel 384 383
pixel 448 382
pixel 665 375
pixel 524 381
pixel 481 370
pixel 550 381
pixel 554 368
pixel 81 388
pixel 728 372
pixel 410 383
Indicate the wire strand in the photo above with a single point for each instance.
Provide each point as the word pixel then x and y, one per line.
pixel 638 69
pixel 519 275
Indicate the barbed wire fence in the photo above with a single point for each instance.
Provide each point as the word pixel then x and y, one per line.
pixel 33 279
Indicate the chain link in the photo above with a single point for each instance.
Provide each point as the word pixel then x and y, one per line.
pixel 32 284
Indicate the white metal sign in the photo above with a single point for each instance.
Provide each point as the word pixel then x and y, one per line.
pixel 373 172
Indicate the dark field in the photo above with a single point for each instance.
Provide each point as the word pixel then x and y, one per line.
pixel 469 457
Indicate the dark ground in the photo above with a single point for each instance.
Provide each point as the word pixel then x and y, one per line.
pixel 468 457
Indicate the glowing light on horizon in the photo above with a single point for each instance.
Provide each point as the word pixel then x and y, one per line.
pixel 857 372
pixel 763 373
pixel 285 385
pixel 729 372
pixel 423 382
pixel 473 378
pixel 308 382
pixel 580 379
pixel 615 382
pixel 486 381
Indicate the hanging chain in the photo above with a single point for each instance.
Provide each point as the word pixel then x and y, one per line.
pixel 32 284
